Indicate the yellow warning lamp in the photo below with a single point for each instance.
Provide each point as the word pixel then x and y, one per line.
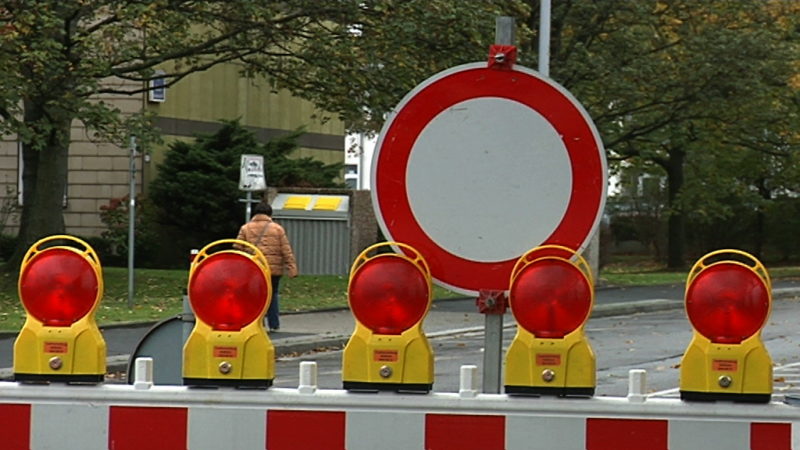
pixel 229 291
pixel 551 296
pixel 389 294
pixel 728 300
pixel 60 286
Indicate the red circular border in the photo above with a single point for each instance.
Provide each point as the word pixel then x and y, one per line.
pixel 420 108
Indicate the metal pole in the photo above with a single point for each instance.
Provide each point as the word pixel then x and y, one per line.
pixel 492 352
pixel 131 221
pixel 505 29
pixel 247 208
pixel 544 38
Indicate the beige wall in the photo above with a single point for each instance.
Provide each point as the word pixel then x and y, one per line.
pixel 100 171
pixel 97 172
pixel 220 93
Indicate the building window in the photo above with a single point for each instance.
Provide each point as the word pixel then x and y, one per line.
pixel 158 89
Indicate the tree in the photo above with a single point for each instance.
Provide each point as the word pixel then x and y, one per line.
pixel 347 57
pixel 666 81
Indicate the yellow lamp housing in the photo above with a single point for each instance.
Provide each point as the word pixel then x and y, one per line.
pixel 60 285
pixel 229 291
pixel 728 300
pixel 551 295
pixel 389 295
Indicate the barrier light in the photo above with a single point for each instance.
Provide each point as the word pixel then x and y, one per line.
pixel 389 295
pixel 728 300
pixel 60 287
pixel 551 296
pixel 229 291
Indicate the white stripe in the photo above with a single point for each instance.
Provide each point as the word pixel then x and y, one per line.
pixel 709 434
pixel 796 435
pixel 59 426
pixel 370 430
pixel 546 433
pixel 227 428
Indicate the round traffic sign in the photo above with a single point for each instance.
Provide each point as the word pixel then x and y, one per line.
pixel 476 166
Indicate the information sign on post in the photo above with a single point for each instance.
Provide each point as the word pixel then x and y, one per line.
pixel 251 176
pixel 251 179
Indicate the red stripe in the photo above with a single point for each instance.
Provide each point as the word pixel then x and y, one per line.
pixel 16 428
pixel 626 434
pixel 146 427
pixel 293 430
pixel 770 436
pixel 464 432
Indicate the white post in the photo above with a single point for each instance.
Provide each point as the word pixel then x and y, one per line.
pixel 308 378
pixel 637 384
pixel 143 376
pixel 544 38
pixel 468 386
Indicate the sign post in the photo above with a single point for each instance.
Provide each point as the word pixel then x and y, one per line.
pixel 493 307
pixel 251 179
pixel 514 160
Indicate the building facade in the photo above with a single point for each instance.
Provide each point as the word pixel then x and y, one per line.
pixel 101 171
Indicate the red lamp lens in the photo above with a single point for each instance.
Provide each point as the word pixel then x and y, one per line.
pixel 58 287
pixel 389 295
pixel 550 298
pixel 228 291
pixel 727 303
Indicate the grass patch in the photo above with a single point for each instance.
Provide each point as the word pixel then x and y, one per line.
pixel 638 271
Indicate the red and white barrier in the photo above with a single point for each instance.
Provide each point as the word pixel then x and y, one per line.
pixel 175 417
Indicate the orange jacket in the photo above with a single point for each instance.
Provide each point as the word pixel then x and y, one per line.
pixel 273 243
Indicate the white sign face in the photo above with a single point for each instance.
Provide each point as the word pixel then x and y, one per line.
pixel 476 166
pixel 477 183
pixel 251 175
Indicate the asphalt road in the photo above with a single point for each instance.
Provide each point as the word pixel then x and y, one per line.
pixel 651 341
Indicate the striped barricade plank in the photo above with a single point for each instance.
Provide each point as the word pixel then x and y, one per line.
pixel 120 417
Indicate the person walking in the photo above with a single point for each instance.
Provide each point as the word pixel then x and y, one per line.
pixel 270 238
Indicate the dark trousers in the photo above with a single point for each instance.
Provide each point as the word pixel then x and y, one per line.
pixel 273 315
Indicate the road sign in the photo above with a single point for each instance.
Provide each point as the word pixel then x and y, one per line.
pixel 476 166
pixel 251 175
